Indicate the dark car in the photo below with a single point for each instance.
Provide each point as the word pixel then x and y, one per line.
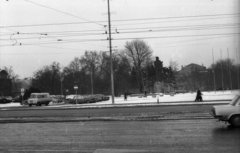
pixel 3 100
pixel 17 99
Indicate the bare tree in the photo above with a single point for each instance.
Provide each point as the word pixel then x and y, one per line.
pixel 48 78
pixel 13 77
pixel 11 74
pixel 140 53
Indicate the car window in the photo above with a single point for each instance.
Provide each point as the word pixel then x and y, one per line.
pixel 235 100
pixel 40 96
pixel 238 102
pixel 33 96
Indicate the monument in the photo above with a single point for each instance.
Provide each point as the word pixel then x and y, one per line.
pixel 158 70
pixel 158 85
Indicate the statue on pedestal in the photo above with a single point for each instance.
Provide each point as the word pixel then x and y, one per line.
pixel 158 69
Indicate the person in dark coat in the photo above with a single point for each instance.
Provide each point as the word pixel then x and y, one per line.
pixel 125 96
pixel 199 96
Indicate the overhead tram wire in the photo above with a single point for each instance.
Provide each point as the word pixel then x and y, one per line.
pixel 192 40
pixel 64 12
pixel 171 30
pixel 161 37
pixel 148 29
pixel 219 34
pixel 179 17
pixel 83 31
pixel 161 27
pixel 195 26
pixel 59 36
pixel 117 25
pixel 199 44
pixel 56 42
pixel 127 20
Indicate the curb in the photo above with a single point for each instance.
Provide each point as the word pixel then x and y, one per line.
pixel 140 104
pixel 158 117
pixel 149 104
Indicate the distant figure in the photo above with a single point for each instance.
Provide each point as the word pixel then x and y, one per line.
pixel 157 98
pixel 125 96
pixel 145 93
pixel 199 96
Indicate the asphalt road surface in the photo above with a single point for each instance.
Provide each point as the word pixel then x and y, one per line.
pixel 165 136
pixel 66 113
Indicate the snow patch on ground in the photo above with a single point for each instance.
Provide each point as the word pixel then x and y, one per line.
pixel 186 97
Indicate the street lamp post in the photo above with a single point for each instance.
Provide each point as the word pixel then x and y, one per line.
pixel 61 85
pixel 76 88
pixel 214 85
pixel 22 93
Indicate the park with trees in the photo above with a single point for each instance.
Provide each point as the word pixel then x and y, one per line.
pixel 133 71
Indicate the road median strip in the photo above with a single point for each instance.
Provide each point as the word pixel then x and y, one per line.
pixel 114 117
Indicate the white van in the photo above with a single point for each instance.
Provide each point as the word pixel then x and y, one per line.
pixel 39 98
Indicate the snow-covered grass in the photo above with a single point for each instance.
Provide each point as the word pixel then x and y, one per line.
pixel 186 97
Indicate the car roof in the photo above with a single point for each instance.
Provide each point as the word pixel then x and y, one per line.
pixel 40 93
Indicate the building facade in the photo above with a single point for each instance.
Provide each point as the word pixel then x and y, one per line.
pixel 190 77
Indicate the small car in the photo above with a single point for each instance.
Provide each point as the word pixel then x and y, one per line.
pixel 229 113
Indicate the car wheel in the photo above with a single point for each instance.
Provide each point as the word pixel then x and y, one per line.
pixel 46 104
pixel 30 105
pixel 235 120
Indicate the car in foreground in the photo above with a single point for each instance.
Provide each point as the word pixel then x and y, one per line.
pixel 229 113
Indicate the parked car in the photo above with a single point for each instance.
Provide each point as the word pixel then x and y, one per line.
pixel 78 99
pixel 17 99
pixel 105 98
pixel 90 98
pixel 69 97
pixel 9 98
pixel 39 98
pixel 3 100
pixel 57 98
pixel 229 113
pixel 98 97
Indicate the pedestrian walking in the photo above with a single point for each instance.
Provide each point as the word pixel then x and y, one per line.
pixel 125 96
pixel 199 95
pixel 157 98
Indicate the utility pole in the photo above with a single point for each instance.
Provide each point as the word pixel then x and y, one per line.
pixel 110 46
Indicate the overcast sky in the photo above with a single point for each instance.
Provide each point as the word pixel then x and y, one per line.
pixel 35 33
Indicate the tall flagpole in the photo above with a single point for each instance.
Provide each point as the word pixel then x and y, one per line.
pixel 229 70
pixel 214 72
pixel 237 67
pixel 110 46
pixel 222 69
